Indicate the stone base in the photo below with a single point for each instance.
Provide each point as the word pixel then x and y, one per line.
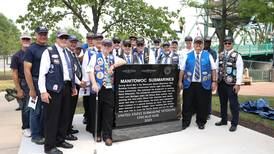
pixel 272 75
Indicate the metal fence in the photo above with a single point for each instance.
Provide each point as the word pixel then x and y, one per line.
pixel 260 75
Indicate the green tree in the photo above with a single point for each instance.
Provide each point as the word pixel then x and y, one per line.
pixel 9 36
pixel 119 17
pixel 71 31
pixel 224 15
pixel 262 9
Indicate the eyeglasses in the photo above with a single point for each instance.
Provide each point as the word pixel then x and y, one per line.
pixel 127 46
pixel 227 43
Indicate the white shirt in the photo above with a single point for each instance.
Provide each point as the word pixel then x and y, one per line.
pixel 182 65
pixel 45 66
pixel 85 63
pixel 130 58
pixel 169 58
pixel 239 67
pixel 77 80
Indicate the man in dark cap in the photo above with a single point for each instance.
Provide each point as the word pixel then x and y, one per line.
pixel 89 37
pixel 197 78
pixel 207 44
pixel 141 54
pixel 100 70
pixel 133 39
pixel 72 47
pixel 127 52
pixel 156 49
pixel 57 85
pixel 229 81
pixel 20 82
pixel 32 61
pixel 167 56
pixel 97 44
pixel 188 46
pixel 98 38
pixel 116 46
pixel 174 46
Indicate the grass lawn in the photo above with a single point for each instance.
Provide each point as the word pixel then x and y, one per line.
pixel 4 84
pixel 247 116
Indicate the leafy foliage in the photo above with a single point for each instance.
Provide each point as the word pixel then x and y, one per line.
pixel 9 36
pixel 119 17
pixel 262 9
pixel 52 36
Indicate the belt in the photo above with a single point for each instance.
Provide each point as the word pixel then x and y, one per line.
pixel 67 82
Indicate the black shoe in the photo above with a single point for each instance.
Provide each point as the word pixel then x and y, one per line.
pixel 65 145
pixel 71 137
pixel 85 121
pixel 73 131
pixel 233 128
pixel 39 141
pixel 220 123
pixel 208 117
pixel 18 109
pixel 201 126
pixel 54 151
pixel 184 126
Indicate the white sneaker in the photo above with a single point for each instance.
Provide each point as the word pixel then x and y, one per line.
pixel 26 132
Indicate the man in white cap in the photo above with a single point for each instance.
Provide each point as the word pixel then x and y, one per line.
pixel 57 85
pixel 20 82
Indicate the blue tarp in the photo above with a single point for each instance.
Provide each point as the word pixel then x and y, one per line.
pixel 260 107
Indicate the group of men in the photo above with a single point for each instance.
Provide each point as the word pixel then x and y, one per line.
pixel 51 76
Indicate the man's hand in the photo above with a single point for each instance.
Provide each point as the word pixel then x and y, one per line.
pixel 111 70
pixel 180 86
pixel 74 92
pixel 236 89
pixel 45 97
pixel 213 86
pixel 32 93
pixel 95 88
pixel 83 84
pixel 20 93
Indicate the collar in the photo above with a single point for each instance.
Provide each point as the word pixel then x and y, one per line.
pixel 58 47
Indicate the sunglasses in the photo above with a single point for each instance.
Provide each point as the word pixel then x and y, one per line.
pixel 127 46
pixel 140 45
pixel 25 39
pixel 227 43
pixel 116 42
pixel 63 37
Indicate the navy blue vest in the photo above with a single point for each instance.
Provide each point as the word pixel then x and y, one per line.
pixel 55 76
pixel 205 66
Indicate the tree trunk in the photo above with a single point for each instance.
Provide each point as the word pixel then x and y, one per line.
pixel 223 27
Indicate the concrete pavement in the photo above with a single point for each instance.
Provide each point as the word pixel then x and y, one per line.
pixel 10 130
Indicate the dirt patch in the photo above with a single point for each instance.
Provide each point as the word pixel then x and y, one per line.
pixel 252 125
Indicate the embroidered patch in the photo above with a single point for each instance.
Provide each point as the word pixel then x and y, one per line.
pixel 56 61
pixel 100 61
pixel 55 87
pixel 54 56
pixel 97 68
pixel 204 73
pixel 100 75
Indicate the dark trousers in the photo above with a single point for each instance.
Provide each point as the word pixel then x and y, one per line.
pixel 25 112
pixel 37 115
pixel 195 97
pixel 210 105
pixel 226 93
pixel 74 100
pixel 57 117
pixel 105 113
pixel 86 106
pixel 91 115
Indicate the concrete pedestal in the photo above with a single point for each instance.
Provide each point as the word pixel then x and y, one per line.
pixel 272 75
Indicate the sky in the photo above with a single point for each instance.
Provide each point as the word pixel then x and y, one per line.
pixel 13 8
